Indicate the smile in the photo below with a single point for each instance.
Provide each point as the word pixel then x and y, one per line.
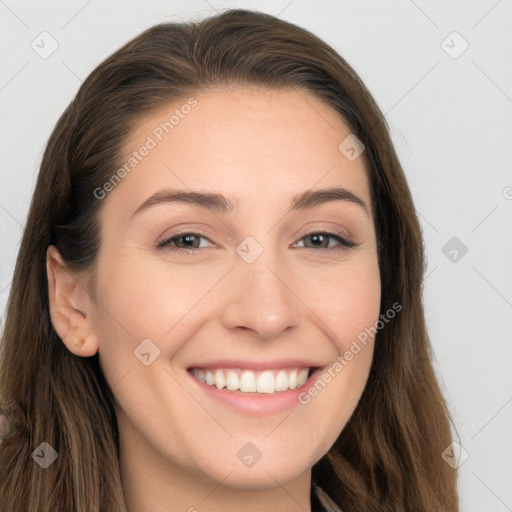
pixel 253 381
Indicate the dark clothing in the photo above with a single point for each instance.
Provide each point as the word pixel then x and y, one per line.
pixel 316 506
pixel 321 501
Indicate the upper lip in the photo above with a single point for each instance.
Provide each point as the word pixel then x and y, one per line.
pixel 273 364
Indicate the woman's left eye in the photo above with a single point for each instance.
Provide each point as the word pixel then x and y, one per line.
pixel 319 240
pixel 322 239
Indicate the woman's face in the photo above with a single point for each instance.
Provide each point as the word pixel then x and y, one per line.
pixel 238 284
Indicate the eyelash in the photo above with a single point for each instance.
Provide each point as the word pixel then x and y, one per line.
pixel 344 243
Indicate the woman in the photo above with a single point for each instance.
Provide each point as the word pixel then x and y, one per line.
pixel 217 300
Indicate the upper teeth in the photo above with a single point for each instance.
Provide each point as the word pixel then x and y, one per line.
pixel 249 381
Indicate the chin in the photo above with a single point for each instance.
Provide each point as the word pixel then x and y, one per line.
pixel 261 475
pixel 263 479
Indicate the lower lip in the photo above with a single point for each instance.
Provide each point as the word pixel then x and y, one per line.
pixel 257 404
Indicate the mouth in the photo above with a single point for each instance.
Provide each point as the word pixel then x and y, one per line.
pixel 247 381
pixel 257 388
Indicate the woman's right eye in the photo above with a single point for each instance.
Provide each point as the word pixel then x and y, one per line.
pixel 188 240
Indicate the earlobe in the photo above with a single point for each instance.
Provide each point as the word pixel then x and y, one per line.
pixel 68 307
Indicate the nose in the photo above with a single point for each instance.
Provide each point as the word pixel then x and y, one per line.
pixel 261 299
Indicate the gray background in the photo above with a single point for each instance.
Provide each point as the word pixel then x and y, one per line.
pixel 450 115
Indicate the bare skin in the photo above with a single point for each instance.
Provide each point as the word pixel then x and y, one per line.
pixel 198 300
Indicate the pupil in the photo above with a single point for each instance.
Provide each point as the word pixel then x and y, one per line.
pixel 318 238
pixel 189 240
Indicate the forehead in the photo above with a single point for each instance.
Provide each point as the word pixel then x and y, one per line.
pixel 242 141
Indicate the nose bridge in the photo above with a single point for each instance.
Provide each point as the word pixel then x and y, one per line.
pixel 260 296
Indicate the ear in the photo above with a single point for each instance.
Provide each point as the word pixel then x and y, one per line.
pixel 70 306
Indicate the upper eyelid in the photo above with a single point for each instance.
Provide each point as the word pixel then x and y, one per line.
pixel 331 232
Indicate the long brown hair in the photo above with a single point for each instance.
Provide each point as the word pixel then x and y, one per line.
pixel 388 457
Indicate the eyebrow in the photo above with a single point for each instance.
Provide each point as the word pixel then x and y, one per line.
pixel 222 204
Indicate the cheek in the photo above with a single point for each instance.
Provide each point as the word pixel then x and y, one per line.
pixel 348 305
pixel 140 299
pixel 348 299
pixel 150 299
pixel 349 308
